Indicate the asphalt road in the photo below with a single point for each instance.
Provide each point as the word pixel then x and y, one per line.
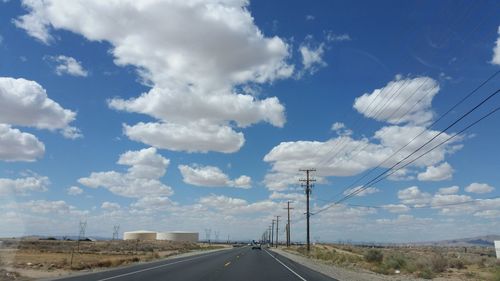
pixel 238 264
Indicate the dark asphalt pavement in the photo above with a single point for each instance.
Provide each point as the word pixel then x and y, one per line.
pixel 238 264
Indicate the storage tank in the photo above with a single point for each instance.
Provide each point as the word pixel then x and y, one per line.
pixel 178 236
pixel 139 235
pixel 497 248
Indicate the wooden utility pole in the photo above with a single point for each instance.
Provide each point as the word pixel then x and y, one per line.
pixel 277 229
pixel 272 234
pixel 308 187
pixel 288 237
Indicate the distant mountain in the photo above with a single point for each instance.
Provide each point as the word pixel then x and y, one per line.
pixel 481 241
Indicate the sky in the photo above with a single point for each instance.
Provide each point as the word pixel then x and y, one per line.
pixel 195 115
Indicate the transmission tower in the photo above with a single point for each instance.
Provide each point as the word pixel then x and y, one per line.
pixel 208 234
pixel 116 230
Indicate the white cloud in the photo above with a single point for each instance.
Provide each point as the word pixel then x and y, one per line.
pixel 18 146
pixel 194 137
pixel 50 207
pixel 23 186
pixel 310 17
pixel 142 178
pixel 436 173
pixel 361 192
pixel 203 72
pixel 211 176
pixel 400 101
pixel 69 65
pixel 25 103
pixel 396 208
pixel 110 206
pixel 413 196
pixel 312 57
pixel 332 37
pixel 352 156
pixel 296 197
pixel 479 188
pixel 448 190
pixel 496 51
pixel 74 190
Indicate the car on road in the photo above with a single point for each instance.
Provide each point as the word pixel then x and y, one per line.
pixel 256 246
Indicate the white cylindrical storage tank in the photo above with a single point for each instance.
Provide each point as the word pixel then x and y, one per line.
pixel 497 248
pixel 139 235
pixel 178 236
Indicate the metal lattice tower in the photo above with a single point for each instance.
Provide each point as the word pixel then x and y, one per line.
pixel 116 230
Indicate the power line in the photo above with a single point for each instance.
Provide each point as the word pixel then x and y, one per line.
pixel 429 141
pixel 385 175
pixel 429 206
pixel 423 131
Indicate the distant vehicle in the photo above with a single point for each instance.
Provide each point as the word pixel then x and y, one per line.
pixel 256 246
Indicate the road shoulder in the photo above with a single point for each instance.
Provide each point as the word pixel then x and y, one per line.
pixel 336 272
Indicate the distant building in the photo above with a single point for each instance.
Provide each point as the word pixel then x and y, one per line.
pixel 139 235
pixel 497 248
pixel 178 236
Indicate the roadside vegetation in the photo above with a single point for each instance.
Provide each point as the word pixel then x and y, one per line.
pixel 29 257
pixel 477 263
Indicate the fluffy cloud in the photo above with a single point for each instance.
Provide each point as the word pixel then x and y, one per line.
pixel 194 77
pixel 400 101
pixel 363 192
pixel 142 178
pixel 396 208
pixel 18 146
pixel 74 190
pixel 212 177
pixel 68 65
pixel 25 103
pixel 414 196
pixel 479 188
pixel 237 206
pixel 448 190
pixel 193 137
pixel 437 173
pixel 352 156
pixel 496 51
pixel 51 207
pixel 312 57
pixel 23 186
pixel 110 206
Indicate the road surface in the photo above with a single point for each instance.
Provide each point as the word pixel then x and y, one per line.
pixel 238 264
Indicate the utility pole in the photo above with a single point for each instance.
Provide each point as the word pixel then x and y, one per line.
pixel 308 187
pixel 277 229
pixel 272 234
pixel 269 233
pixel 288 237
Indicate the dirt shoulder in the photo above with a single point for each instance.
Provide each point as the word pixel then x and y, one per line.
pixel 336 272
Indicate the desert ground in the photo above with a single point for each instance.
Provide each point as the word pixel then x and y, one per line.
pixel 27 259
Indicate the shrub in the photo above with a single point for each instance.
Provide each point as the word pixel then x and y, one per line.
pixel 438 263
pixel 426 274
pixel 396 262
pixel 374 256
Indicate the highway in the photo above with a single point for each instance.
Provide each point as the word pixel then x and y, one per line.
pixel 242 264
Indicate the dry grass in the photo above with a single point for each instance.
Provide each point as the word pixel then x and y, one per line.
pixel 63 256
pixel 476 263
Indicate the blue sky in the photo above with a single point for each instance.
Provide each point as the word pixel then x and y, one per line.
pixel 170 115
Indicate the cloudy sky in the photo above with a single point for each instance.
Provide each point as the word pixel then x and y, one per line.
pixel 194 115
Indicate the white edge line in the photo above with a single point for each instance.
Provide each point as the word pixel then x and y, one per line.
pixel 151 268
pixel 296 274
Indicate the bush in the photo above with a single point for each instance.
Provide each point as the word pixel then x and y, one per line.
pixel 426 274
pixel 438 263
pixel 396 262
pixel 374 256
